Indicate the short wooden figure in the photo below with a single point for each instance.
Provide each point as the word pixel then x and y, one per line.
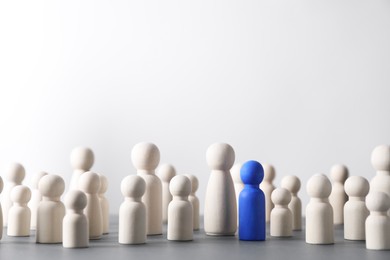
pixel 220 208
pixel 166 172
pixel 105 206
pixel 132 212
pixel 75 223
pixel 180 222
pixel 194 200
pixel 81 160
pixel 14 175
pixel 293 184
pixel 281 222
pixel 268 187
pixel 19 215
pixel 51 210
pixel 36 198
pixel 355 210
pixel 319 212
pixel 252 225
pixel 89 183
pixel 145 158
pixel 338 197
pixel 378 222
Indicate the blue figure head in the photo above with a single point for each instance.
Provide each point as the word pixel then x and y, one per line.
pixel 252 173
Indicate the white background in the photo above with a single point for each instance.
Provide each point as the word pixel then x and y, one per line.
pixel 300 84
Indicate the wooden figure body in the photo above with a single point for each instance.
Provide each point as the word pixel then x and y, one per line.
pixel 89 183
pixel 36 198
pixel 281 219
pixel 220 209
pixel 105 206
pixel 75 231
pixel 51 210
pixel 268 187
pixel 132 212
pixel 378 222
pixel 166 172
pixel 180 222
pixel 293 184
pixel 338 197
pixel 319 212
pixel 145 158
pixel 15 174
pixel 355 210
pixel 194 200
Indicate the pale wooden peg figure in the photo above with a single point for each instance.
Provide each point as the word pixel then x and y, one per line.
pixel 281 218
pixel 220 208
pixel 338 197
pixel 75 231
pixel 378 222
pixel 104 203
pixel 1 211
pixel 19 215
pixel 319 212
pixel 268 187
pixel 355 210
pixel 132 212
pixel 14 175
pixel 380 160
pixel 180 222
pixel 51 210
pixel 238 184
pixel 194 200
pixel 36 198
pixel 89 183
pixel 81 160
pixel 145 158
pixel 293 184
pixel 166 172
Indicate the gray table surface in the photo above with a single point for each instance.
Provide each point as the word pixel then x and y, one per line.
pixel 203 247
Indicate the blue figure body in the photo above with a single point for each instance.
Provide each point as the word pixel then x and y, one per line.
pixel 251 203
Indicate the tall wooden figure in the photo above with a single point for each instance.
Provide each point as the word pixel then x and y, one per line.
pixel 252 203
pixel 132 212
pixel 319 212
pixel 145 158
pixel 75 223
pixel 220 209
pixel 51 210
pixel 180 223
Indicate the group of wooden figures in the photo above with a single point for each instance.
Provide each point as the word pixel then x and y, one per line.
pixel 239 199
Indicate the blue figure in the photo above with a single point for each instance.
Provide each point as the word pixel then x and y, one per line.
pixel 251 203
